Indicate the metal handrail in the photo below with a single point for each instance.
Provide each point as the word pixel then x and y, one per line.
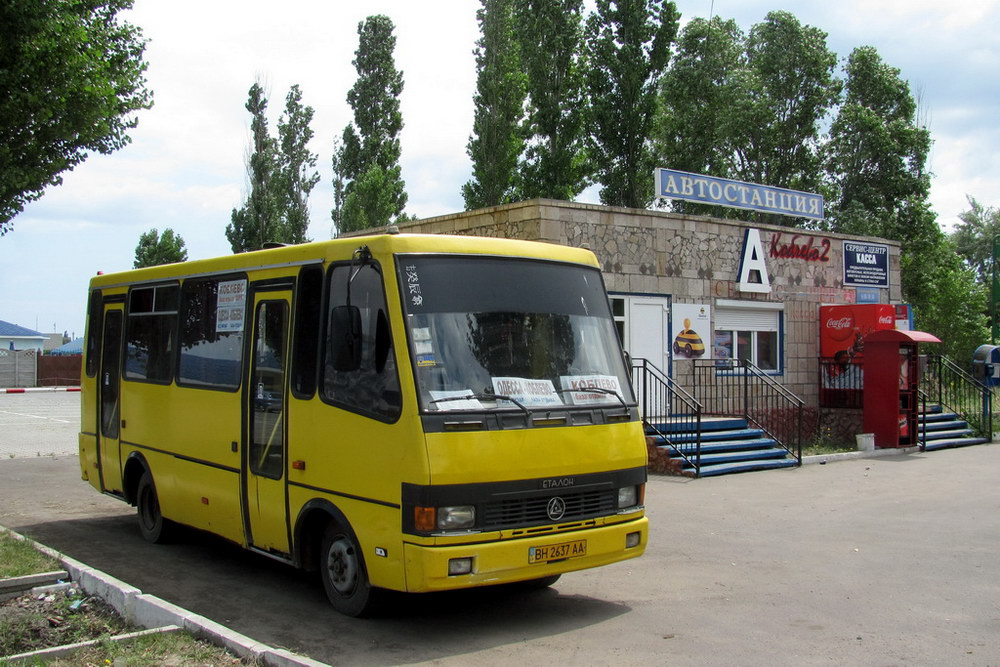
pixel 922 432
pixel 738 387
pixel 668 411
pixel 951 387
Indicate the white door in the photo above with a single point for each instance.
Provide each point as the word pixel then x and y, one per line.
pixel 647 334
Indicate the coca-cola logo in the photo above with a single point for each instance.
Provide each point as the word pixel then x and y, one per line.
pixel 840 328
pixel 885 319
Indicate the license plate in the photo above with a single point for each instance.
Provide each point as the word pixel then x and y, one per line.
pixel 557 551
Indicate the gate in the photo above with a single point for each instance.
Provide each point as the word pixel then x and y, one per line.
pixel 18 368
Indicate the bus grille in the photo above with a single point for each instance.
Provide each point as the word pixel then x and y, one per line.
pixel 514 512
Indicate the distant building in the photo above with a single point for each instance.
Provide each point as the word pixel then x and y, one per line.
pixel 16 337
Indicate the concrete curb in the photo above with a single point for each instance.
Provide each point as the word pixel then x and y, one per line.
pixel 848 456
pixel 26 390
pixel 151 612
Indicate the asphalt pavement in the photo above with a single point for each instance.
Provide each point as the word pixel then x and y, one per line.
pixel 882 561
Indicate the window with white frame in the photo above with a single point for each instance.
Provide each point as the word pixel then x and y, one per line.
pixel 750 331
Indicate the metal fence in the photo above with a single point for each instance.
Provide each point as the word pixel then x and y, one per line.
pixel 739 388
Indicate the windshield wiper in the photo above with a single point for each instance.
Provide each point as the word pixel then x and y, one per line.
pixel 487 397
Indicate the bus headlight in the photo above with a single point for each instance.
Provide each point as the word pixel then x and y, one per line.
pixel 628 496
pixel 457 517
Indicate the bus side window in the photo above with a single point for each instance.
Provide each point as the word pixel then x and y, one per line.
pixel 211 338
pixel 94 326
pixel 151 333
pixel 373 388
pixel 308 317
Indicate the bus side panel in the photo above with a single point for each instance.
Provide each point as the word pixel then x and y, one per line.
pixel 88 430
pixel 377 530
pixel 362 458
pixel 198 482
pixel 207 498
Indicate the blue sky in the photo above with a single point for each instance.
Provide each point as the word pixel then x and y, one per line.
pixel 185 167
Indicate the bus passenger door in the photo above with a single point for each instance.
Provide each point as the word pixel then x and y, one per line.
pixel 109 399
pixel 266 409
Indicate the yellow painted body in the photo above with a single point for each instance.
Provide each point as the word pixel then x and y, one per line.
pixel 193 440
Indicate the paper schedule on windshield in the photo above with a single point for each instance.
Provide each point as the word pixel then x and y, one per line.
pixel 527 392
pixel 455 400
pixel 579 384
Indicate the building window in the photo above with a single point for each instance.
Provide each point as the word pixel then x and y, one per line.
pixel 618 313
pixel 749 333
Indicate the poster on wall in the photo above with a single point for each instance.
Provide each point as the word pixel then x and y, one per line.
pixel 866 264
pixel 691 331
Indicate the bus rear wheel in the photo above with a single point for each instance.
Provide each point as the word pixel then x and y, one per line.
pixel 152 525
pixel 342 569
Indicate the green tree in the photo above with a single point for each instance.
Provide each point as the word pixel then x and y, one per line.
pixel 496 143
pixel 877 153
pixel 296 167
pixel 751 107
pixel 72 77
pixel 877 181
pixel 791 87
pixel 974 237
pixel 555 161
pixel 956 305
pixel 370 148
pixel 628 47
pixel 695 129
pixel 258 221
pixel 155 249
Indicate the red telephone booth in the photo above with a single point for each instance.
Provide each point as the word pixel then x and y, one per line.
pixel 890 385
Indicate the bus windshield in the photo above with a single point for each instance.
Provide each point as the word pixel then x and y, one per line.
pixel 494 333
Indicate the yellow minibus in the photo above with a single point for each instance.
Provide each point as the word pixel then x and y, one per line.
pixel 405 412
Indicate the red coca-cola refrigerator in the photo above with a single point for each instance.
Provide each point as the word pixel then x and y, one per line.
pixel 844 327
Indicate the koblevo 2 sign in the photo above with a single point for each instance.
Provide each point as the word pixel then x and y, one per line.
pixel 672 184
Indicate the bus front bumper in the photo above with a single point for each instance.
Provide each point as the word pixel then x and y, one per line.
pixel 511 560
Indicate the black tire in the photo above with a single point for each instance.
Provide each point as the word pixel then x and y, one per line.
pixel 342 570
pixel 152 525
pixel 541 582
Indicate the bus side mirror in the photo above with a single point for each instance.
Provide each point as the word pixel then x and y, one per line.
pixel 345 343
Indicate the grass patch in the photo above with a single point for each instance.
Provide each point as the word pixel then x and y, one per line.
pixel 821 448
pixel 19 557
pixel 175 649
pixel 35 621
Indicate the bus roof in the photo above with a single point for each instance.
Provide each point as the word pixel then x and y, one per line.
pixel 342 248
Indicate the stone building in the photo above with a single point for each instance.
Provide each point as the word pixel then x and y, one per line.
pixel 745 289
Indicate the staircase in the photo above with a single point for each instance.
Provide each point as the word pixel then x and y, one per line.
pixel 728 445
pixel 940 429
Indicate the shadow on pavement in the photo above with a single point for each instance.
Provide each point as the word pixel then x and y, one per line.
pixel 278 605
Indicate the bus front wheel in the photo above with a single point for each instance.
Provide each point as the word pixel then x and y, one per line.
pixel 342 569
pixel 152 525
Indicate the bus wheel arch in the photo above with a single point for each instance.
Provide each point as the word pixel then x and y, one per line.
pixel 327 543
pixel 135 468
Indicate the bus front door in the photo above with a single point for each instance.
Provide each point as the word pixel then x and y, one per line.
pixel 264 458
pixel 109 399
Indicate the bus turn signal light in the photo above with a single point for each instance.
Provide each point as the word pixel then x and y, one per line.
pixel 425 518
